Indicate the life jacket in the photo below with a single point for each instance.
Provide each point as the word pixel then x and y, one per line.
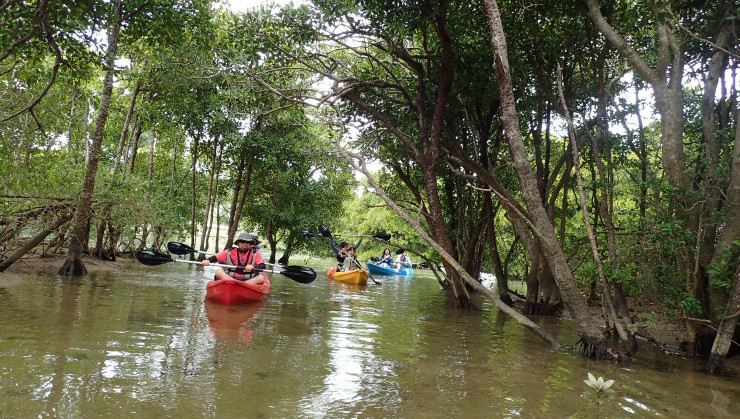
pixel 233 255
pixel 404 261
pixel 353 263
pixel 340 260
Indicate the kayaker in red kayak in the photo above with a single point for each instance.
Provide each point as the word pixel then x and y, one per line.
pixel 245 256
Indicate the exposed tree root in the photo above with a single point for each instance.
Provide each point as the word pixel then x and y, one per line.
pixel 73 267
pixel 600 349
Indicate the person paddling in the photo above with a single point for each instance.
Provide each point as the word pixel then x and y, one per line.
pixel 350 262
pixel 341 251
pixel 386 259
pixel 402 260
pixel 245 256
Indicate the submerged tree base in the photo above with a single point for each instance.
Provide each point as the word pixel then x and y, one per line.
pixel 600 349
pixel 72 267
pixel 543 309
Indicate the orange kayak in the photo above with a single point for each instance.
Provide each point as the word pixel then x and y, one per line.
pixel 232 291
pixel 356 276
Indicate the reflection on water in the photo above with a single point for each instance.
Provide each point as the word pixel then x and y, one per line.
pixel 232 323
pixel 143 342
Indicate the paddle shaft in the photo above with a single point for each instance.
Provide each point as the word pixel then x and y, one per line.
pixel 221 265
pixel 371 277
pixel 195 262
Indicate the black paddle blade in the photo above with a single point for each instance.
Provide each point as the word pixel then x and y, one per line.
pixel 302 274
pixel 152 257
pixel 177 248
pixel 382 236
pixel 324 231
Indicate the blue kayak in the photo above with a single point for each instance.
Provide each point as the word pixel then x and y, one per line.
pixel 376 269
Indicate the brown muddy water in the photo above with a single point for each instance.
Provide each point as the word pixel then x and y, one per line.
pixel 141 342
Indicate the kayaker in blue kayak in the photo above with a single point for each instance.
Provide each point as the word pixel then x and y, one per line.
pixel 386 259
pixel 402 260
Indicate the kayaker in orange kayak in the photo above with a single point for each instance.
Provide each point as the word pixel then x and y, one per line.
pixel 350 262
pixel 341 251
pixel 245 256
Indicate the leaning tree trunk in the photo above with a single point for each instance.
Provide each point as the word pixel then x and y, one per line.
pixel 35 240
pixel 358 163
pixel 73 264
pixel 591 341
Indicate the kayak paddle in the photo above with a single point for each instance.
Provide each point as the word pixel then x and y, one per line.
pixel 177 248
pixel 302 274
pixel 326 233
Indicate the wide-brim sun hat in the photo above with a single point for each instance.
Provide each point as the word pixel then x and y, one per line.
pixel 248 238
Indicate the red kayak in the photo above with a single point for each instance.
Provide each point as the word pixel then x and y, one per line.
pixel 232 291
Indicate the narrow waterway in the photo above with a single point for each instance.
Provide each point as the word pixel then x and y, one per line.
pixel 141 342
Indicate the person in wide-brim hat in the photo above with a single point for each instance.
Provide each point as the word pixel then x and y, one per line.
pixel 247 238
pixel 244 256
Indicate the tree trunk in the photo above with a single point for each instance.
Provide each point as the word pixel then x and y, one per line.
pixel 713 186
pixel 272 240
pixel 210 198
pixel 126 124
pixel 502 282
pixel 215 203
pixel 726 329
pixel 237 211
pixel 194 196
pixel 609 310
pixel 591 341
pixel 289 244
pixel 35 240
pixel 73 264
pixel 666 82
pixel 135 145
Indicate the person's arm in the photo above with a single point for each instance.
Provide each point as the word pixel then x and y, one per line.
pixel 259 261
pixel 211 259
pixel 359 242
pixel 333 246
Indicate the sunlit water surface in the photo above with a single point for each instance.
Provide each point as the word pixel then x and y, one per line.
pixel 141 341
